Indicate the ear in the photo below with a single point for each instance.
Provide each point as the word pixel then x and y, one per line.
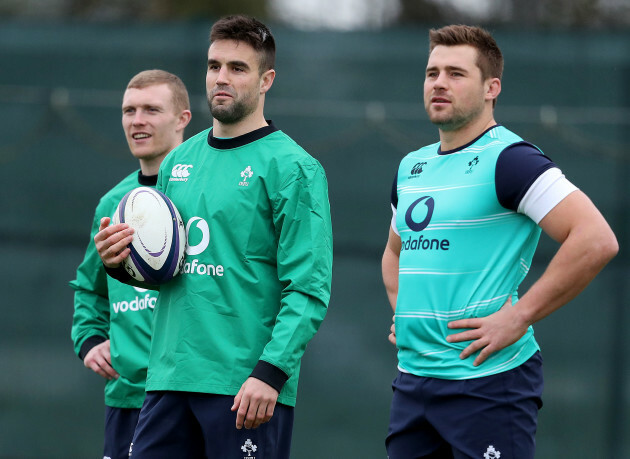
pixel 184 119
pixel 493 88
pixel 266 80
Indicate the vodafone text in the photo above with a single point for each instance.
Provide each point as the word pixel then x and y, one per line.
pixel 425 244
pixel 138 304
pixel 194 267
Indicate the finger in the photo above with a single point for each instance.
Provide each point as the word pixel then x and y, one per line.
pixel 267 413
pixel 98 368
pixel 105 352
pixel 105 368
pixel 270 410
pixel 465 323
pixel 392 338
pixel 120 239
pixel 472 348
pixel 242 413
pixel 237 400
pixel 104 223
pixel 108 369
pixel 106 231
pixel 117 251
pixel 483 355
pixel 252 415
pixel 469 335
pixel 261 416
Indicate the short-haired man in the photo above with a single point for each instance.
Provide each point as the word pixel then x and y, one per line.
pixel 230 330
pixel 111 327
pixel 468 212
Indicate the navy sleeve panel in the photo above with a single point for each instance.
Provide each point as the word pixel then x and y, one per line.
pixel 270 374
pixel 518 167
pixel 120 274
pixel 89 343
pixel 395 191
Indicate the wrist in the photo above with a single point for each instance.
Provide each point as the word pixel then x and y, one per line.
pixel 90 343
pixel 269 374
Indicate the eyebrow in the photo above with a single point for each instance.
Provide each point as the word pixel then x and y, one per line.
pixel 449 68
pixel 233 63
pixel 153 105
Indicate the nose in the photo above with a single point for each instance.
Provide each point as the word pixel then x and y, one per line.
pixel 138 118
pixel 440 80
pixel 222 76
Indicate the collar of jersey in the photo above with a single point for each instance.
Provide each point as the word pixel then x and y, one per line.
pixel 235 142
pixel 454 150
pixel 147 180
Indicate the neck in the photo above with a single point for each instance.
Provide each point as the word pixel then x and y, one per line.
pixel 150 167
pixel 251 122
pixel 235 130
pixel 450 140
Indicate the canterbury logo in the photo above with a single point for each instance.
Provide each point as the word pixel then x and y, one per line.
pixel 180 173
pixel 417 168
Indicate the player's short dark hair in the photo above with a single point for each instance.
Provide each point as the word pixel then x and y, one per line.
pixel 153 77
pixel 489 57
pixel 248 30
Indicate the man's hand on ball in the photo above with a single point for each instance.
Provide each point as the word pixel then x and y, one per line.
pixel 111 242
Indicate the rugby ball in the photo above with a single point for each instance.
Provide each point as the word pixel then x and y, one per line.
pixel 159 240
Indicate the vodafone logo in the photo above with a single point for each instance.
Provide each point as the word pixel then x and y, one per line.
pixel 180 173
pixel 201 229
pixel 198 238
pixel 426 205
pixel 419 226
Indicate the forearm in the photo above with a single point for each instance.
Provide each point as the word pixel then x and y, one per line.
pixel 297 322
pixel 389 266
pixel 580 258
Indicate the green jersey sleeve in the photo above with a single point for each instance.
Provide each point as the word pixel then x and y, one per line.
pixel 91 302
pixel 304 262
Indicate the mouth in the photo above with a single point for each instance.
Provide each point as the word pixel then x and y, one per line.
pixel 221 94
pixel 140 136
pixel 440 100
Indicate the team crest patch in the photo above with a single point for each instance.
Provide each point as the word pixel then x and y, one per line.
pixel 472 163
pixel 249 448
pixel 247 173
pixel 491 453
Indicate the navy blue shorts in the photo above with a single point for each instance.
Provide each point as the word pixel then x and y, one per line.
pixel 186 425
pixel 120 423
pixel 490 417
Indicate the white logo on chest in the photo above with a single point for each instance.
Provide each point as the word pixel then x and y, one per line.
pixel 247 173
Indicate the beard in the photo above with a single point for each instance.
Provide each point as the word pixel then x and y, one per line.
pixel 457 115
pixel 453 123
pixel 234 112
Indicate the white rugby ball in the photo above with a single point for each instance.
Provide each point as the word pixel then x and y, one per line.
pixel 159 240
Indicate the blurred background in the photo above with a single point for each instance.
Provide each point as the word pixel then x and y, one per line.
pixel 349 90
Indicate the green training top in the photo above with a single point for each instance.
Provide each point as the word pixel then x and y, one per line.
pixel 256 281
pixel 106 308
